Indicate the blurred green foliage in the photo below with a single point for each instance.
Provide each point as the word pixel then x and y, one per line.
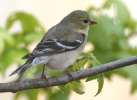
pixel 110 39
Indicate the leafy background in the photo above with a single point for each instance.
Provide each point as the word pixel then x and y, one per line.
pixel 109 38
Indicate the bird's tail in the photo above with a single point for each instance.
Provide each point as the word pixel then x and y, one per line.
pixel 21 69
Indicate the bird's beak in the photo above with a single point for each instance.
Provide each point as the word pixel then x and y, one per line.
pixel 92 22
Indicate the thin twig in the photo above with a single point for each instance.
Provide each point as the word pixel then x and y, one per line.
pixel 64 79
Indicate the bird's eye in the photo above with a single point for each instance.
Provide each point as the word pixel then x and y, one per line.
pixel 85 21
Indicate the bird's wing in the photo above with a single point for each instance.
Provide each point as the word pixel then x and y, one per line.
pixel 54 46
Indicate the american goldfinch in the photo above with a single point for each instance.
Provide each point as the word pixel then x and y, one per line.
pixel 61 45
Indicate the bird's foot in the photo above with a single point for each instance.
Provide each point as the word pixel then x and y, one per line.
pixel 43 76
pixel 69 74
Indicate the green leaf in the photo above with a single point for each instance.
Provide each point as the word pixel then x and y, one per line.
pixel 32 94
pixel 1 46
pixel 76 86
pixel 131 72
pixel 122 13
pixel 103 30
pixel 53 94
pixel 29 94
pixel 108 38
pixel 13 55
pixel 100 80
pixel 108 3
pixel 29 38
pixel 28 22
pixel 5 37
pixel 134 86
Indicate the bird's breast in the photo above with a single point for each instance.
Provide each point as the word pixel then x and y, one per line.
pixel 64 60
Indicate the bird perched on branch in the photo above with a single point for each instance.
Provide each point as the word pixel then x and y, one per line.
pixel 61 45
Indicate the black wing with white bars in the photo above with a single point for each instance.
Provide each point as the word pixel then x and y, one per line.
pixel 54 46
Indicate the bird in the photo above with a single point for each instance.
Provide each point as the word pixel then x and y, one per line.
pixel 61 45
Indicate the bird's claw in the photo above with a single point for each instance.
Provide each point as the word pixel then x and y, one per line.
pixel 43 76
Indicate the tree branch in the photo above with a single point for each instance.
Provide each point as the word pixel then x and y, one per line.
pixel 41 83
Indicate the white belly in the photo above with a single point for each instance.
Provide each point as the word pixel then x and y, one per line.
pixel 62 61
pixel 59 61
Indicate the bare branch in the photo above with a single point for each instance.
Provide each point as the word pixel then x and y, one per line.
pixel 41 83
